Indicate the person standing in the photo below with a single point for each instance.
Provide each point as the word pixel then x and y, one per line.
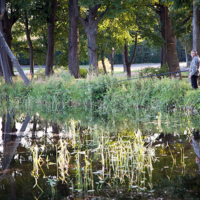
pixel 194 69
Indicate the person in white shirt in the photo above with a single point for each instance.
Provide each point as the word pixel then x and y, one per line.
pixel 194 69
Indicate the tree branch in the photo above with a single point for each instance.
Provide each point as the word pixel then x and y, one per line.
pixel 102 14
pixel 186 20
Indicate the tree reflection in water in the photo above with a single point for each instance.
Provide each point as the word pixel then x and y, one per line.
pixel 84 161
pixel 10 143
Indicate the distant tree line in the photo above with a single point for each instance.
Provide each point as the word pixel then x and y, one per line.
pixel 69 32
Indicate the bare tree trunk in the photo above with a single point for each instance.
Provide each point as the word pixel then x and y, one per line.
pixel 124 62
pixel 50 47
pixel 30 46
pixel 170 41
pixel 73 60
pixel 103 63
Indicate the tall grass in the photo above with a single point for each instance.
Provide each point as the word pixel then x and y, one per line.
pixel 104 95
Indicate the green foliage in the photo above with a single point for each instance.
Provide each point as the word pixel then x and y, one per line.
pixel 107 95
pixel 83 72
pixel 192 98
pixel 155 71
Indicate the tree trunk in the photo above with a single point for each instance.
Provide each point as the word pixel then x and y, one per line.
pixel 163 58
pixel 30 46
pixel 128 64
pixel 4 60
pixel 186 55
pixel 90 24
pixel 103 63
pixel 92 49
pixel 5 67
pixel 8 37
pixel 1 71
pixel 13 58
pixel 124 62
pixel 170 42
pixel 111 58
pixel 50 47
pixel 73 60
pixel 196 28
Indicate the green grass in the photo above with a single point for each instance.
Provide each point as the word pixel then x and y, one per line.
pixel 62 89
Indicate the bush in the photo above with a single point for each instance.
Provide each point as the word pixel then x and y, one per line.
pixel 83 72
pixel 192 98
pixel 155 71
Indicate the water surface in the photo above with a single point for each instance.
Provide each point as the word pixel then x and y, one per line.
pixel 143 157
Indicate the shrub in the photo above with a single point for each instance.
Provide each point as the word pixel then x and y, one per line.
pixel 83 72
pixel 155 71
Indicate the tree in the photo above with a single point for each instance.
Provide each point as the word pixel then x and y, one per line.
pixel 29 44
pixel 50 46
pixel 169 54
pixel 182 14
pixel 90 24
pixel 73 61
pixel 196 26
pixel 3 57
pixel 127 62
pixel 12 14
pixel 5 50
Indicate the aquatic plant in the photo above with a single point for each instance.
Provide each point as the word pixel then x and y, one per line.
pixel 37 162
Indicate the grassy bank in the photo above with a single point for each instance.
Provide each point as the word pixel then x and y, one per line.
pixel 104 94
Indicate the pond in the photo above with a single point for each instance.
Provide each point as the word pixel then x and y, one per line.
pixel 142 156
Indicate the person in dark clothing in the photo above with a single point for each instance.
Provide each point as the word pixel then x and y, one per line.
pixel 194 69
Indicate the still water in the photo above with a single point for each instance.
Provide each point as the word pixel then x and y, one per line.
pixel 152 158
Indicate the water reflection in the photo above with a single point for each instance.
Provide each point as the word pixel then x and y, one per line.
pixel 196 145
pixel 10 144
pixel 79 161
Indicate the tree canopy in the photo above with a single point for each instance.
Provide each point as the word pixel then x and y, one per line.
pixel 103 25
